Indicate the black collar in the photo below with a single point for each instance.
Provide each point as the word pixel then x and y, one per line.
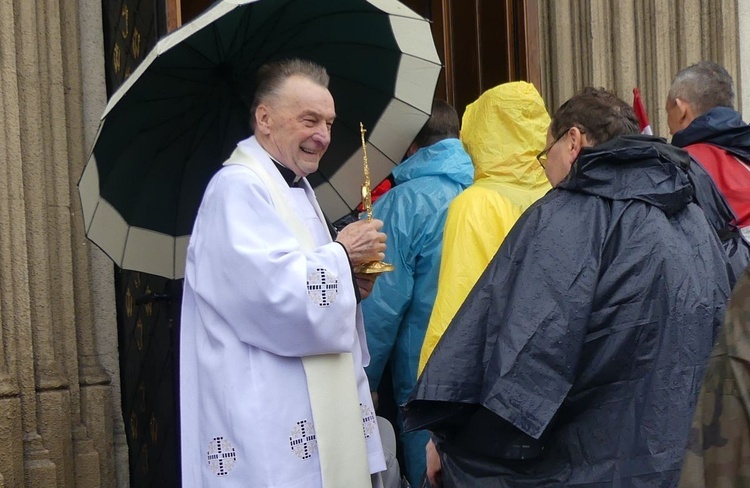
pixel 289 176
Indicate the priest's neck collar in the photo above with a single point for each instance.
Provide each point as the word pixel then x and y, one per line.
pixel 289 176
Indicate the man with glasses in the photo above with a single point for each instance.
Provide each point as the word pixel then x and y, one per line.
pixel 576 359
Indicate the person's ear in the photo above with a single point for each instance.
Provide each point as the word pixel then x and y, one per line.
pixel 685 112
pixel 576 141
pixel 413 148
pixel 262 119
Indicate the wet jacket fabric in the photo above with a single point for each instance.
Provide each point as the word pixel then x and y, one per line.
pixel 720 141
pixel 398 309
pixel 721 218
pixel 718 452
pixel 587 336
pixel 503 131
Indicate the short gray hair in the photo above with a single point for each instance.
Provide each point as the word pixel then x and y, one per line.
pixel 272 75
pixel 703 86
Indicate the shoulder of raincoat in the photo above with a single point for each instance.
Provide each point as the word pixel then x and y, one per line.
pixel 502 131
pixel 587 330
pixel 413 214
pixel 718 452
pixel 719 142
pixel 720 126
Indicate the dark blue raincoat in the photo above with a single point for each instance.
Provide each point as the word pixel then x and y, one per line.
pixel 577 358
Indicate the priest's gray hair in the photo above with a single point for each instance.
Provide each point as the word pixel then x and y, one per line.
pixel 272 75
pixel 703 86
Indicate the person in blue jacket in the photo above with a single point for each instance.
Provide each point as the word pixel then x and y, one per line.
pixel 398 310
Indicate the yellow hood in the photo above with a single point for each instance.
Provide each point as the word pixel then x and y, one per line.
pixel 503 131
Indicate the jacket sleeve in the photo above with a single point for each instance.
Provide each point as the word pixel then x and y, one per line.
pixel 249 274
pixel 386 306
pixel 477 223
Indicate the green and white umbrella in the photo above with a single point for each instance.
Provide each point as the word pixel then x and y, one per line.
pixel 172 124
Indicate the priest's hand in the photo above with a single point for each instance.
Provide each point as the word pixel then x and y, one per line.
pixel 434 466
pixel 363 241
pixel 365 283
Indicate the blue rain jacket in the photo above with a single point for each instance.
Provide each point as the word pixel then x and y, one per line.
pixel 576 359
pixel 413 214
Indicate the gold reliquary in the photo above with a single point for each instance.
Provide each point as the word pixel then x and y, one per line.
pixel 372 267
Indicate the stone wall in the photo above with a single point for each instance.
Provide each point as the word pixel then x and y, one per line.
pixel 59 424
pixel 743 14
pixel 623 44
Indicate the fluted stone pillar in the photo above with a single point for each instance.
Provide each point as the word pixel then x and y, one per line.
pixel 16 381
pixel 59 415
pixel 743 14
pixel 94 267
pixel 623 44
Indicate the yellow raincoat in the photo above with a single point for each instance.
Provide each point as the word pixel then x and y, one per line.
pixel 503 131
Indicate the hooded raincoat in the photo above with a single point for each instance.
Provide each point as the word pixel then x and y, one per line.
pixel 502 131
pixel 398 309
pixel 581 349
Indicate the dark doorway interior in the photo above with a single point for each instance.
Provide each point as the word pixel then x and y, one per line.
pixel 482 43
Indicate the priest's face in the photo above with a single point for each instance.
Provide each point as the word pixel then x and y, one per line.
pixel 294 126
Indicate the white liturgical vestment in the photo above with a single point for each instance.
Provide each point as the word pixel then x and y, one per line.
pixel 255 302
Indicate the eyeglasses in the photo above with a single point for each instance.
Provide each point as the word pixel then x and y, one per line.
pixel 542 156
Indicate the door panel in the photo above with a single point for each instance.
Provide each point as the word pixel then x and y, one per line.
pixel 482 43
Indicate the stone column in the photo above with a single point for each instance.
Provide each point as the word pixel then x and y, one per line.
pixel 93 263
pixel 14 310
pixel 623 44
pixel 99 404
pixel 56 399
pixel 20 57
pixel 743 81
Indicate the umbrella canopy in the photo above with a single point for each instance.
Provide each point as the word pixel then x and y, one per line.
pixel 171 125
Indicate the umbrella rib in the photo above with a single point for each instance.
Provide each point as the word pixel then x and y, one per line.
pixel 327 180
pixel 198 53
pixel 277 17
pixel 194 144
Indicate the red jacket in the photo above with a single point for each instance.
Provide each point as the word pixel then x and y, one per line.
pixel 731 175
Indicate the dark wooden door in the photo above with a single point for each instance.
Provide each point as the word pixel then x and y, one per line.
pixel 147 306
pixel 482 43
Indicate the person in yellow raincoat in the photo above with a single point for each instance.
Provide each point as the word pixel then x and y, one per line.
pixel 503 131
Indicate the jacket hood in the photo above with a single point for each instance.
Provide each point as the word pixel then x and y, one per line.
pixel 503 131
pixel 720 126
pixel 444 158
pixel 634 167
